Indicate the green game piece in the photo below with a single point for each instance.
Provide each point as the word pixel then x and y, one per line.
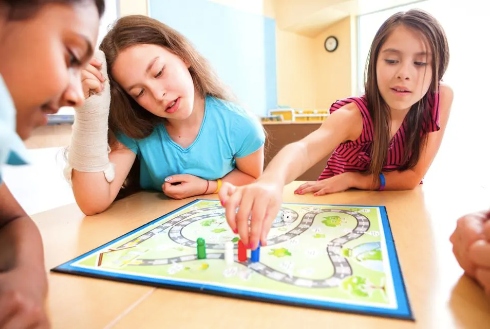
pixel 201 248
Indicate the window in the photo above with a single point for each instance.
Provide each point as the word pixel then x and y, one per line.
pixel 110 15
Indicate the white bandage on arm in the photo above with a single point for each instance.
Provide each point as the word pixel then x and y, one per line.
pixel 89 148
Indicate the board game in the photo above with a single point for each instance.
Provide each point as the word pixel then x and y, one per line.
pixel 336 257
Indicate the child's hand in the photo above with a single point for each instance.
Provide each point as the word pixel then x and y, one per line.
pixel 338 183
pixel 260 202
pixel 469 229
pixel 184 186
pixel 22 300
pixel 479 254
pixel 92 77
pixel 89 149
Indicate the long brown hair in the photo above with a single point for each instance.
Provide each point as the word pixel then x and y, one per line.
pixel 419 114
pixel 126 115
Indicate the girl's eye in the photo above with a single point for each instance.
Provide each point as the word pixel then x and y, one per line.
pixel 420 63
pixel 140 93
pixel 390 61
pixel 73 60
pixel 160 72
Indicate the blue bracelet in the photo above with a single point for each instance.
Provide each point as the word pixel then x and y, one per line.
pixel 382 182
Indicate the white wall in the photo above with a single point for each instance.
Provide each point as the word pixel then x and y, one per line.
pixel 463 156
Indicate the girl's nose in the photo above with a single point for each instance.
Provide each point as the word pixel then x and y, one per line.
pixel 73 95
pixel 403 73
pixel 158 94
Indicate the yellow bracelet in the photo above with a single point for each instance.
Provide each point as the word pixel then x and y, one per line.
pixel 219 185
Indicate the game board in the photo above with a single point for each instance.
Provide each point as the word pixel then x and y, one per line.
pixel 338 257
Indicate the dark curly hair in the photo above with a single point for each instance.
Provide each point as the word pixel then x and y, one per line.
pixel 24 9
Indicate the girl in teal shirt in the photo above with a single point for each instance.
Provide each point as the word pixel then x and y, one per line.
pixel 172 125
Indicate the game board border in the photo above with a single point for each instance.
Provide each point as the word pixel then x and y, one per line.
pixel 402 312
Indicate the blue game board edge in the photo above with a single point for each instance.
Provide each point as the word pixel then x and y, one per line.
pixel 129 233
pixel 403 311
pixel 395 264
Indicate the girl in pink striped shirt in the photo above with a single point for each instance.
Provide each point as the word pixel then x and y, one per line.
pixel 386 139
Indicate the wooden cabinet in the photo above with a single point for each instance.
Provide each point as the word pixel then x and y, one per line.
pixel 280 134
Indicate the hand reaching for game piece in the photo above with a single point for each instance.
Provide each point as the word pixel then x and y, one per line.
pixel 471 246
pixel 258 202
pixel 184 186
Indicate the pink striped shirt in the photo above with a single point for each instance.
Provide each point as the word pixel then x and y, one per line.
pixel 355 156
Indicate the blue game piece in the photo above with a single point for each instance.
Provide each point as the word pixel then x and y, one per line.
pixel 255 256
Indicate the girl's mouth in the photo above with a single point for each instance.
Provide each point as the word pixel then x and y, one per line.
pixel 400 90
pixel 173 106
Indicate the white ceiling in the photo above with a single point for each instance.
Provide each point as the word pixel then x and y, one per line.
pixel 311 17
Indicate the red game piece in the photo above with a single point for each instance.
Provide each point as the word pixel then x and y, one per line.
pixel 242 252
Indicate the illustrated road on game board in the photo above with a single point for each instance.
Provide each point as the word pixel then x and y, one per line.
pixel 323 256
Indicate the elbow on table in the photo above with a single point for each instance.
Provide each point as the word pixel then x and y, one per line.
pixel 404 180
pixel 90 208
pixel 252 178
pixel 244 181
pixel 411 184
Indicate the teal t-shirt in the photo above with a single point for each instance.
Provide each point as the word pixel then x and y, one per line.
pixel 12 149
pixel 227 132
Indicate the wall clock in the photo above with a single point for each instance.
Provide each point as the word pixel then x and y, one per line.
pixel 331 43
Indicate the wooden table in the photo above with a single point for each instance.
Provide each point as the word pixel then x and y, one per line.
pixel 421 223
